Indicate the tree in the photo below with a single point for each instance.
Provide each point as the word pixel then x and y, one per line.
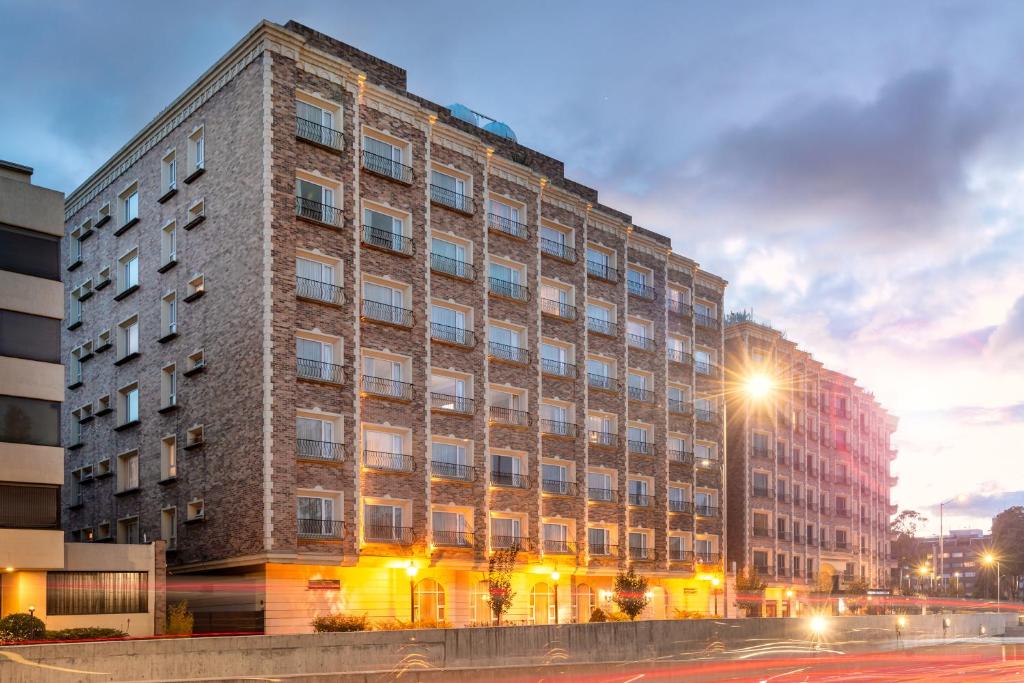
pixel 905 547
pixel 630 593
pixel 499 581
pixel 1008 547
pixel 750 591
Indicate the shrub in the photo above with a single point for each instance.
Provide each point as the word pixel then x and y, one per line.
pixel 689 614
pixel 179 620
pixel 340 623
pixel 20 626
pixel 87 633
pixel 598 616
pixel 618 616
pixel 630 593
pixel 399 625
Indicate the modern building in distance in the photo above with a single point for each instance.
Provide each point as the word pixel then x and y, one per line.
pixel 809 470
pixel 343 343
pixel 963 551
pixel 66 585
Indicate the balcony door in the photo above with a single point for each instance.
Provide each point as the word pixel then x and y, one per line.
pixel 313 198
pixel 315 271
pixel 315 516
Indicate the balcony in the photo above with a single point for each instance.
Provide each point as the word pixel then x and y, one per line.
pixel 603 439
pixel 782 496
pixel 556 428
pixel 763 532
pixel 387 533
pixel 452 471
pixel 508 354
pixel 640 289
pixel 318 134
pixel 559 487
pixel 637 341
pixel 601 550
pixel 319 371
pixel 684 457
pixel 507 226
pixel 314 290
pixel 842 545
pixel 824 544
pixel 641 553
pixel 782 534
pixel 781 572
pixel 316 212
pixel 708 463
pixel 449 403
pixel 706 321
pixel 508 290
pixel 602 271
pixel 641 500
pixel 605 327
pixel 558 309
pixel 640 394
pixel 557 547
pixel 683 506
pixel 451 199
pixel 640 447
pixel 758 492
pixel 321 529
pixel 456 336
pixel 706 510
pixel 602 382
pixel 386 313
pixel 509 417
pixel 509 480
pixel 679 356
pixel 453 539
pixel 382 461
pixel 678 407
pixel 706 369
pixel 598 495
pixel 679 555
pixel 797 540
pixel 382 387
pixel 387 168
pixel 385 240
pixel 509 542
pixel 679 307
pixel 557 250
pixel 764 570
pixel 557 368
pixel 329 451
pixel 707 416
pixel 709 558
pixel 452 267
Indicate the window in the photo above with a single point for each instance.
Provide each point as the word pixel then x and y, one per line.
pixel 506 532
pixel 168 387
pixel 385 231
pixel 196 154
pixel 557 358
pixel 639 386
pixel 128 405
pixel 383 523
pixel 386 158
pixel 129 206
pixel 196 362
pixel 557 242
pixel 557 299
pixel 128 530
pixel 506 218
pixel 80 593
pixel 639 282
pixel 704 362
pixel 315 515
pixel 601 263
pixel 506 279
pixel 128 471
pixel 386 302
pixel 639 334
pixel 169 315
pixel 168 246
pixel 601 318
pixel 385 376
pixel 194 436
pixel 315 122
pixel 451 257
pixel 677 549
pixel 31 253
pixel 706 409
pixel 450 459
pixel 450 391
pixel 315 358
pixel 505 470
pixel 639 439
pixel 128 271
pixel 451 324
pixel 705 453
pixel 168 174
pixel 557 538
pixel 450 528
pixel 555 478
pixel 196 214
pixel 195 510
pixel 600 486
pixel 385 450
pixel 128 337
pixel 706 314
pixel 599 541
pixel 316 202
pixel 168 457
pixel 601 429
pixel 317 437
pixel 639 545
pixel 195 288
pixel 601 373
pixel 638 495
pixel 317 279
pixel 449 189
pixel 169 527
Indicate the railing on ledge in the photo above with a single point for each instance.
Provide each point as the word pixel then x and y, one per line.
pixel 388 241
pixel 559 487
pixel 387 533
pixel 640 394
pixel 558 309
pixel 599 495
pixel 602 271
pixel 556 547
pixel 709 558
pixel 678 407
pixel 453 267
pixel 706 321
pixel 684 556
pixel 602 382
pixel 706 369
pixel 453 539
pixel 509 354
pixel 386 313
pixel 641 500
pixel 709 416
pixel 508 290
pixel 450 403
pixel 510 480
pixel 680 456
pixel 637 341
pixel 509 416
pixel 556 428
pixel 637 447
pixel 307 368
pixel 451 199
pixel 311 449
pixel 507 542
pixel 605 327
pixel 383 166
pixel 706 510
pixel 387 388
pixel 678 356
pixel 640 289
pixel 507 226
pixel 317 212
pixel 558 250
pixel 684 506
pixel 603 550
pixel 448 334
pixel 453 471
pixel 306 288
pixel 557 368
pixel 679 307
pixel 641 553
pixel 321 529
pixel 318 133
pixel 388 462
pixel 606 439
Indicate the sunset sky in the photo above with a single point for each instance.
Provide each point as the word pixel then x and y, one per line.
pixel 855 170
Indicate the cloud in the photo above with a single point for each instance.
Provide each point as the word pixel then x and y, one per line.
pixel 1007 341
pixel 985 505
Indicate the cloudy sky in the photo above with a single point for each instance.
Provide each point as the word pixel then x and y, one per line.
pixel 854 169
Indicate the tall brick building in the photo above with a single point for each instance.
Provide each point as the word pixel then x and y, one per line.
pixel 332 335
pixel 808 472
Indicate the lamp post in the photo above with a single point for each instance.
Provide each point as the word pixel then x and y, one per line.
pixel 991 559
pixel 960 498
pixel 554 579
pixel 411 569
pixel 715 582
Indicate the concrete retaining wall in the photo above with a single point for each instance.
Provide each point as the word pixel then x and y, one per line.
pixel 177 659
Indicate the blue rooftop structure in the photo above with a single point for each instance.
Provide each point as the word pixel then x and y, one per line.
pixel 501 129
pixel 464 113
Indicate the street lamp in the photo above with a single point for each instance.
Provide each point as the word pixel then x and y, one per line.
pixel 989 559
pixel 554 578
pixel 960 498
pixel 715 583
pixel 411 569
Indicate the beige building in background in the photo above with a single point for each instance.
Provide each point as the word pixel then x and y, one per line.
pixel 34 560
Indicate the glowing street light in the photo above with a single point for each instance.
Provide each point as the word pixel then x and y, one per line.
pixel 554 578
pixel 758 385
pixel 411 569
pixel 715 583
pixel 991 559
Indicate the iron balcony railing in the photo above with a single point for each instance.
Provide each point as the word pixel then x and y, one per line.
pixel 705 320
pixel 763 532
pixel 557 368
pixel 761 452
pixel 641 500
pixel 453 539
pixel 448 334
pixel 842 545
pixel 509 290
pixel 705 368
pixel 559 487
pixel 510 480
pixel 451 199
pixel 383 166
pixel 679 555
pixel 558 309
pixel 603 549
pixel 759 492
pixel 640 289
pixel 706 415
pixel 509 354
pixel 326 529
pixel 706 510
pixel 684 506
pixel 556 428
pixel 781 572
pixel 558 250
pixel 641 394
pixel 320 213
pixel 679 307
pixel 638 447
pixel 679 407
pixel 680 456
pixel 642 553
pixel 387 388
pixel 707 462
pixel 602 382
pixel 506 542
pixel 605 327
pixel 451 470
pixel 319 450
pixel 638 341
pixel 308 368
pixel 599 495
pixel 709 558
pixel 782 534
pixel 318 133
pixel 606 439
pixel 602 271
pixel 557 547
pixel 388 241
pixel 679 356
pixel 782 496
pixel 509 416
pixel 824 544
pixel 306 288
pixel 387 533
pixel 453 267
pixel 386 313
pixel 388 462
pixel 508 226
pixel 450 403
pixel 798 540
